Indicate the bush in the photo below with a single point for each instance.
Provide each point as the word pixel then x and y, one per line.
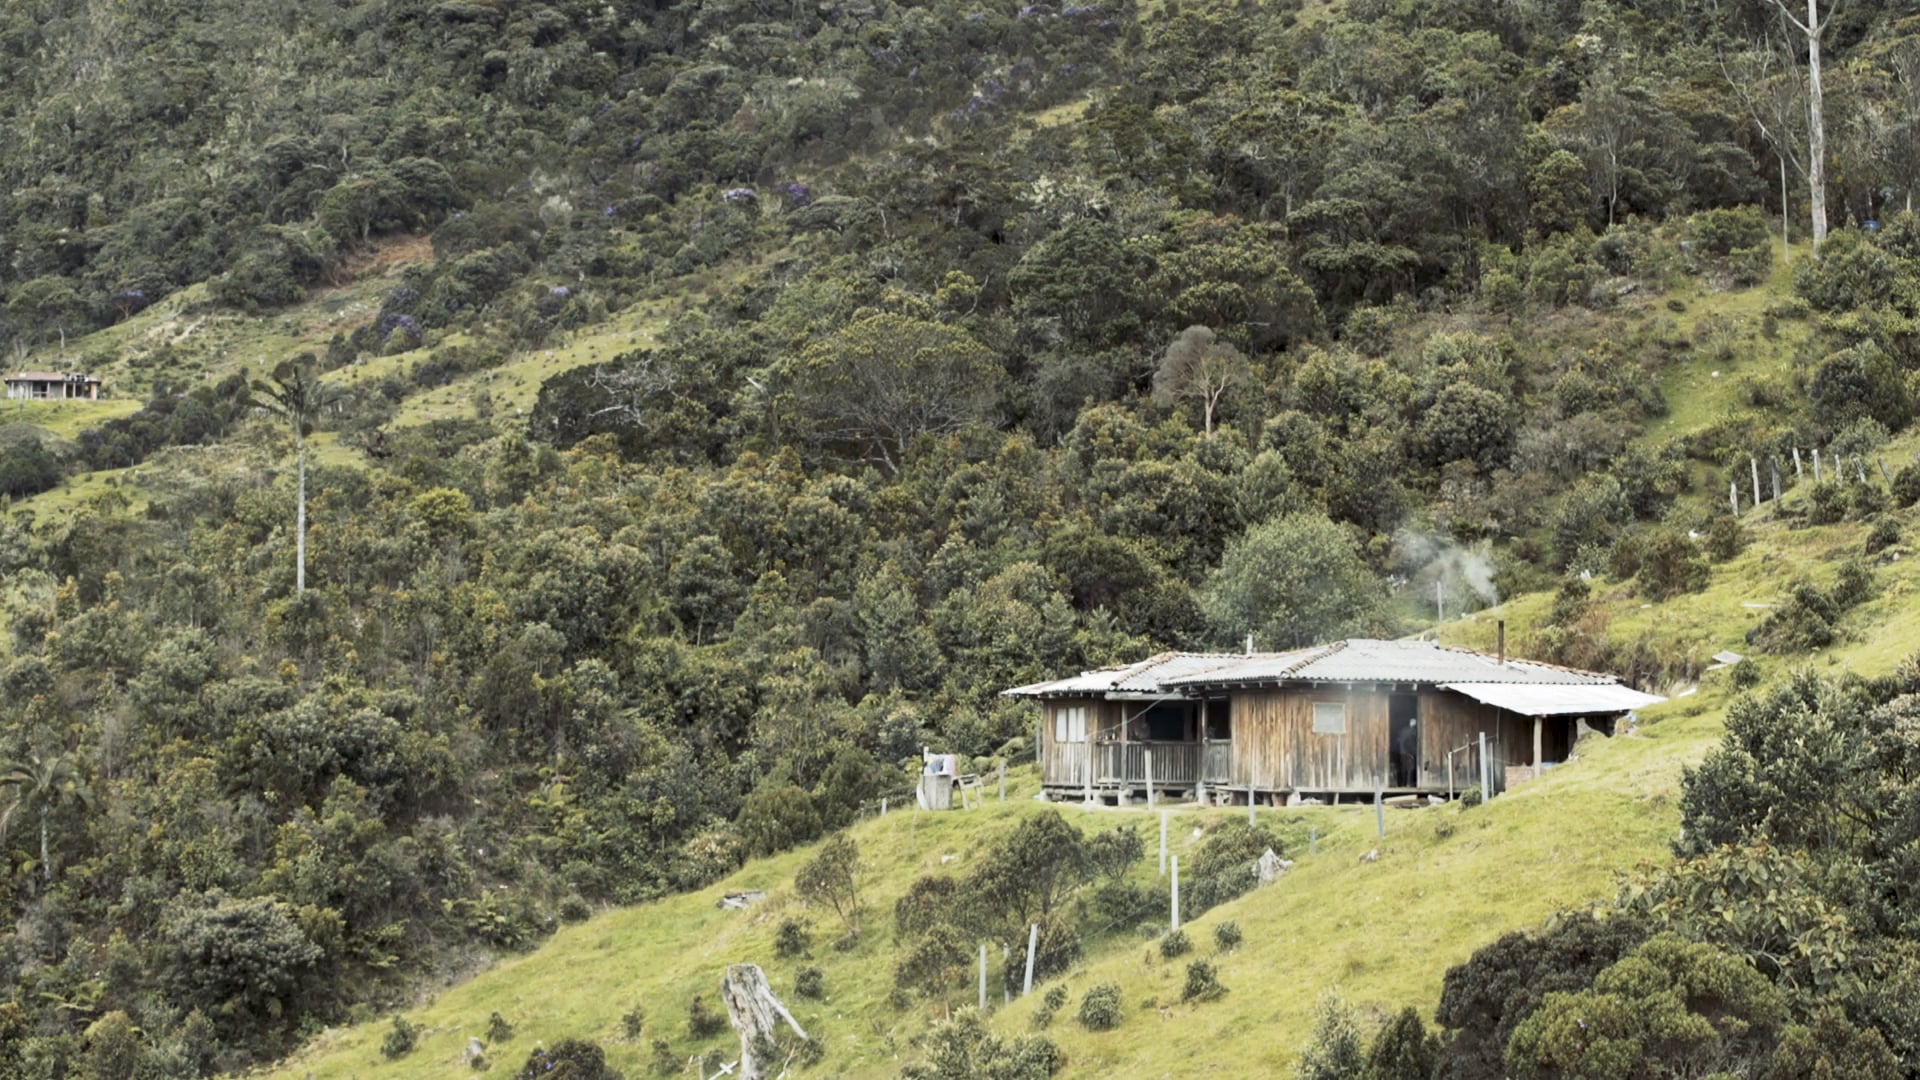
pixel 1722 232
pixel 1224 867
pixel 793 939
pixel 26 468
pixel 499 1030
pixel 702 1021
pixel 1726 538
pixel 1050 1003
pixel 808 982
pixel 633 1022
pixel 400 1039
pixel 774 819
pixel 1471 797
pixel 575 1059
pixel 1203 982
pixel 1906 486
pixel 1333 1050
pixel 1885 534
pixel 1403 1050
pixel 665 1062
pixel 1122 905
pixel 1226 936
pixel 1100 1008
pixel 1175 944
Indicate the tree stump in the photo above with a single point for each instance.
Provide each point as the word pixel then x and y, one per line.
pixel 756 1014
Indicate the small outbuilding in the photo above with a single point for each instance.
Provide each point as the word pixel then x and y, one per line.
pixel 52 386
pixel 1348 719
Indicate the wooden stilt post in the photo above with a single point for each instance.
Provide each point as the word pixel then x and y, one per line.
pixel 1486 771
pixel 1249 804
pixel 1033 943
pixel 1089 795
pixel 1537 739
pixel 1163 843
pixel 1176 892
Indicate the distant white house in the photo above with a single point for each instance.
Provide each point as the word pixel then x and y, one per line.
pixel 52 386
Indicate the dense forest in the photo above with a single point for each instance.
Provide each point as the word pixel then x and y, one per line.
pixel 1004 340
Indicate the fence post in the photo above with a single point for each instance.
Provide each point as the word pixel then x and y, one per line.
pixel 1796 463
pixel 1163 843
pixel 1884 475
pixel 1486 771
pixel 1755 464
pixel 1380 809
pixel 1773 464
pixel 983 978
pixel 1733 496
pixel 1176 892
pixel 1816 465
pixel 883 808
pixel 1033 942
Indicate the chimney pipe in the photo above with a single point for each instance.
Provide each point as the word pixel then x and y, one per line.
pixel 1500 637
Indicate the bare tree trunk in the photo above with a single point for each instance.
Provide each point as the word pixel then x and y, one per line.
pixel 46 863
pixel 300 518
pixel 756 1014
pixel 1816 126
pixel 1786 243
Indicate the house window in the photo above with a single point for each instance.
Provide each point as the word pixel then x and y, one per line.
pixel 1329 718
pixel 1070 724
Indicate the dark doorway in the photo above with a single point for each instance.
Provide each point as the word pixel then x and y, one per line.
pixel 1403 741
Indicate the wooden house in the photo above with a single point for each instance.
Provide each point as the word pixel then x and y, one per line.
pixel 1347 719
pixel 52 386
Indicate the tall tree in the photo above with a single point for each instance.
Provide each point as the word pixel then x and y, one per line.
pixel 1200 366
pixel 1812 29
pixel 41 785
pixel 296 394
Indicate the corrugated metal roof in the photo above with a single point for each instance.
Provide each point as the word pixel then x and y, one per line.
pixel 51 376
pixel 1153 676
pixel 1356 660
pixel 1558 700
pixel 1361 660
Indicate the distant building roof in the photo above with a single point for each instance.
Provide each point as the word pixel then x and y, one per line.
pixel 1356 660
pixel 51 376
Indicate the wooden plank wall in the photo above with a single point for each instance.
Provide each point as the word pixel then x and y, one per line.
pixel 1275 749
pixel 1065 764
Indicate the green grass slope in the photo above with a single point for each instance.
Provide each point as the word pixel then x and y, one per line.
pixel 1383 932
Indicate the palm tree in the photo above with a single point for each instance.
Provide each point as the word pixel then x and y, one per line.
pixel 42 785
pixel 296 395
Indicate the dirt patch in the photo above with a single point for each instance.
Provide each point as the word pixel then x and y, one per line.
pixel 387 254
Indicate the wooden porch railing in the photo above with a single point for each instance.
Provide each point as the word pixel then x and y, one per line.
pixel 1174 763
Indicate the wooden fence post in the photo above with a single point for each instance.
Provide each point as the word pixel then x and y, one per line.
pixel 1033 942
pixel 1249 804
pixel 1163 843
pixel 1796 463
pixel 1755 464
pixel 1816 465
pixel 1733 496
pixel 1176 892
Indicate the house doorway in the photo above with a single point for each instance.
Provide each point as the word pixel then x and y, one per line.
pixel 1403 740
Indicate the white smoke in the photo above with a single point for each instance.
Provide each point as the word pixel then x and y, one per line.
pixel 1463 572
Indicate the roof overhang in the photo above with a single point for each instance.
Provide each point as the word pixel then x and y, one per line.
pixel 1557 700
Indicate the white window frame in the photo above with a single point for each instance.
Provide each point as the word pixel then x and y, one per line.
pixel 1070 724
pixel 1324 722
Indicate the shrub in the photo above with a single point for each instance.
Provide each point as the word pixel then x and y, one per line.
pixel 574 908
pixel 400 1039
pixel 1471 797
pixel 1333 1050
pixel 1050 1003
pixel 1100 1008
pixel 793 938
pixel 832 878
pixel 665 1062
pixel 1175 944
pixel 498 1029
pixel 1403 1050
pixel 575 1059
pixel 1906 485
pixel 1203 982
pixel 633 1022
pixel 1723 232
pixel 1122 905
pixel 808 982
pixel 774 819
pixel 1726 538
pixel 1226 936
pixel 1885 534
pixel 1828 503
pixel 702 1021
pixel 1224 868
pixel 965 1046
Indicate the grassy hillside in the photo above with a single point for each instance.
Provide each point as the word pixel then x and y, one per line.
pixel 1380 933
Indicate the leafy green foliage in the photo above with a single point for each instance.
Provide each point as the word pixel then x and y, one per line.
pixel 832 878
pixel 1292 581
pixel 1334 1051
pixel 400 1039
pixel 1100 1008
pixel 964 1048
pixel 1175 943
pixel 575 1059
